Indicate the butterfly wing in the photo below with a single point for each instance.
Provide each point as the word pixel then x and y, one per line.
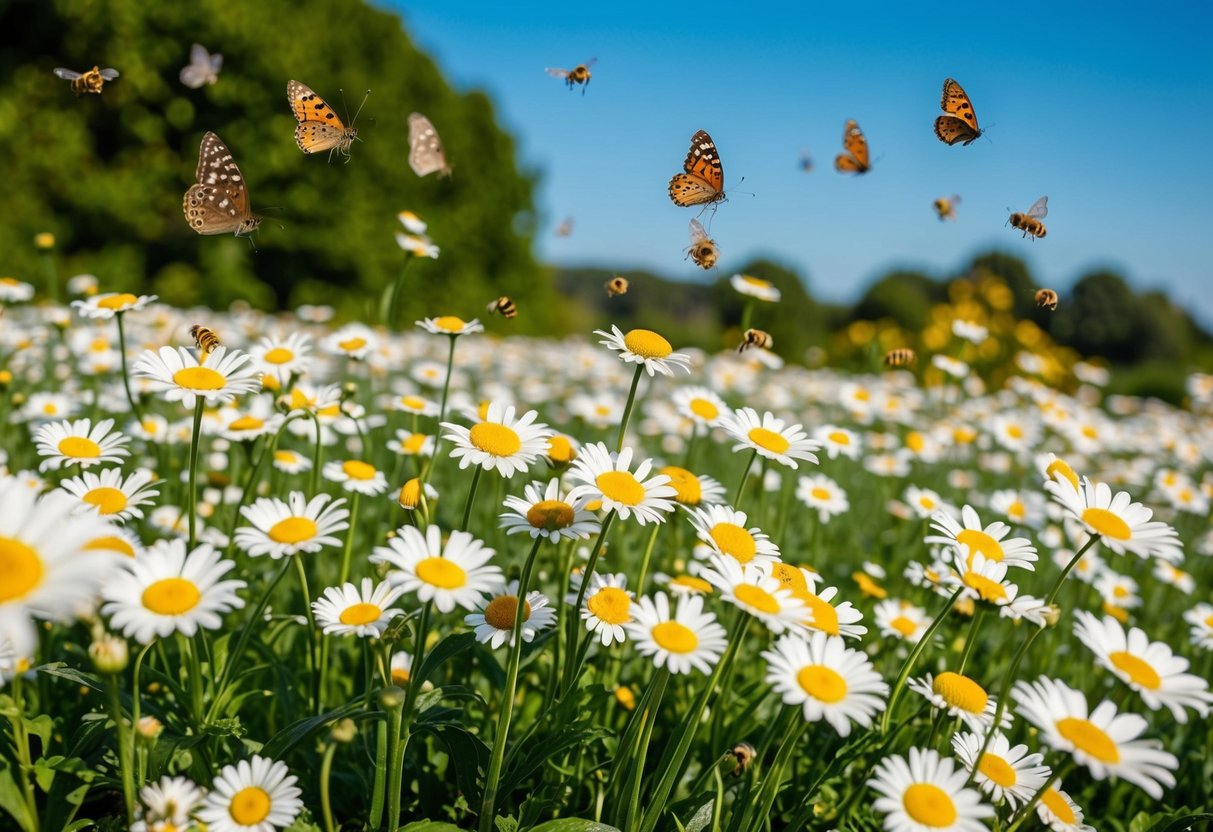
pixel 1040 208
pixel 425 147
pixel 703 179
pixel 856 158
pixel 218 203
pixel 66 74
pixel 952 130
pixel 319 128
pixel 960 125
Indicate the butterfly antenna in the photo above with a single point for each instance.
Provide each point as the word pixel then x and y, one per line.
pixel 360 106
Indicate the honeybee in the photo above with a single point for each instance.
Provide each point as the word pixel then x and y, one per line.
pixel 945 207
pixel 91 81
pixel 579 74
pixel 565 228
pixel 806 161
pixel 1046 299
pixel 205 339
pixel 617 286
pixel 900 357
pixel 703 249
pixel 504 307
pixel 744 754
pixel 1029 222
pixel 755 338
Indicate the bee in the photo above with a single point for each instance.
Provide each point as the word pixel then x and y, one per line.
pixel 565 229
pixel 900 357
pixel 1046 299
pixel 744 754
pixel 579 74
pixel 91 81
pixel 755 338
pixel 945 207
pixel 617 286
pixel 1029 222
pixel 703 249
pixel 504 306
pixel 205 339
pixel 806 161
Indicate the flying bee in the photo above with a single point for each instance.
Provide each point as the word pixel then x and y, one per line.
pixel 755 338
pixel 579 74
pixel 806 161
pixel 565 229
pixel 205 339
pixel 1029 222
pixel 703 249
pixel 1046 299
pixel 744 754
pixel 504 307
pixel 945 207
pixel 617 286
pixel 91 81
pixel 900 357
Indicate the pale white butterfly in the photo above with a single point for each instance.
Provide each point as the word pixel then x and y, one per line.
pixel 425 148
pixel 203 67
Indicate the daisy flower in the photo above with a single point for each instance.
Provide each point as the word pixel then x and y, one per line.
pixel 1053 468
pixel 418 245
pixel 401 668
pixel 834 620
pixel 752 589
pixel 255 420
pixel 257 795
pixel 1058 811
pixel 364 610
pixel 450 325
pixel 110 496
pixel 924 502
pixel 168 804
pixel 926 794
pixel 983 580
pixel 1200 617
pixel 1148 667
pixel 901 620
pixel 961 697
pixel 493 620
pixel 972 539
pixel 823 494
pixel 693 490
pixel 646 348
pixel 1005 772
pixel 283 358
pixel 755 287
pixel 548 514
pixel 280 528
pixel 607 606
pixel 1103 740
pixel 838 441
pixel 168 591
pixel 411 222
pixel 605 476
pixel 13 290
pixel 416 405
pixel 291 462
pixel 700 405
pixel 1117 590
pixel 355 341
pixel 1172 575
pixel 356 476
pixel 690 639
pixel 105 306
pixel 456 574
pixel 79 443
pixel 769 437
pixel 500 442
pixel 828 680
pixel 408 443
pixel 723 529
pixel 177 373
pixel 1122 525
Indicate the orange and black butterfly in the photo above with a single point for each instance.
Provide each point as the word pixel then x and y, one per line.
pixel 960 123
pixel 856 158
pixel 702 182
pixel 319 128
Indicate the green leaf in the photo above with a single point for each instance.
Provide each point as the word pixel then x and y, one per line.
pixel 11 798
pixel 1184 822
pixel 447 648
pixel 702 817
pixel 505 824
pixel 297 732
pixel 431 826
pixel 574 825
pixel 468 753
pixel 62 671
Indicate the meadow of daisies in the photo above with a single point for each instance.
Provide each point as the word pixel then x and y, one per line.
pixel 288 574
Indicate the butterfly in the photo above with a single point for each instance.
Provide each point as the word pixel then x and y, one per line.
pixel 91 81
pixel 319 127
pixel 425 148
pixel 203 67
pixel 856 158
pixel 703 180
pixel 960 125
pixel 218 203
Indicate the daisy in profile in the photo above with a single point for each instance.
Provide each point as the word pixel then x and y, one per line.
pixel 364 610
pixel 1058 811
pixel 646 349
pixel 79 443
pixel 105 306
pixel 822 494
pixel 1200 617
pixel 1103 740
pixel 414 404
pixel 180 377
pixel 770 437
pixel 688 639
pixel 836 441
pixel 1122 525
pixel 257 795
pixel 962 697
pixel 450 325
pixel 455 574
pixel 111 496
pixel 168 590
pixel 283 357
pixel 1005 772
pixel 828 680
pixel 1148 667
pixel 724 530
pixel 700 405
pixel 356 476
pixel 983 580
pixel 407 443
pixel 605 476
pixel 607 606
pixel 280 528
pixel 168 804
pixel 693 490
pixel 749 587
pixel 971 539
pixel 353 340
pixel 500 442
pixel 1172 575
pixel 755 287
pixel 1053 468
pixel 291 462
pixel 543 511
pixel 926 791
pixel 493 621
pixel 13 290
pixel 901 620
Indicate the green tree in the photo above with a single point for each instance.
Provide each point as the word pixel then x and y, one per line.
pixel 904 296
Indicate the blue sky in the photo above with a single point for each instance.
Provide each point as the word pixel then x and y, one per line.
pixel 1106 108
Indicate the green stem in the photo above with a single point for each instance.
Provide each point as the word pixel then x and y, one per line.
pixel 125 752
pixel 326 769
pixel 642 749
pixel 570 663
pixel 318 665
pixel 627 408
pixel 747 313
pixel 913 657
pixel 348 551
pixel 192 497
pixel 467 506
pixel 971 638
pixel 774 777
pixel 383 762
pixel 315 477
pixel 397 740
pixel 644 561
pixel 190 652
pixel 52 277
pixel 126 383
pixel 446 389
pixel 744 476
pixel 25 764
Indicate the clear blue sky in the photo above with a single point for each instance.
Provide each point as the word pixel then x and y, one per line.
pixel 1105 107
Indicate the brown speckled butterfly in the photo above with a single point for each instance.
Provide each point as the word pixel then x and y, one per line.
pixel 218 203
pixel 702 181
pixel 319 128
pixel 856 158
pixel 960 125
pixel 425 148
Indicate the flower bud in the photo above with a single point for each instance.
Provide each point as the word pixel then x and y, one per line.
pixel 344 730
pixel 109 654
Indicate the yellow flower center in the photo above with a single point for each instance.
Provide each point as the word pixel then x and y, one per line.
pixel 821 682
pixel 400 676
pixel 171 596
pixel 868 586
pixel 929 805
pixel 1061 468
pixel 790 577
pixel 756 282
pixel 414 443
pixel 107 500
pixel 704 409
pixel 961 692
pixel 734 541
pixel 199 378
pixel 246 423
pixel 822 616
pixel 756 597
pixel 286 457
pixel 249 806
pixel 611 604
pixel 21 567
pixel 915 441
pixel 675 637
pixel 119 301
pixel 1056 804
pixel 79 447
pixel 979 541
pixel 494 439
pixel 903 625
pixel 621 487
pixel 988 590
pixel 1017 510
pixel 50 409
pixel 449 323
pixel 502 610
pixel 99 345
pixel 1015 431
pixel 279 355
pixel 413 402
pixel 560 449
pixel 358 470
pixel 697 585
pixel 109 544
pixel 1089 738
pixel 769 440
pixel 686 485
pixel 647 344
pixel 819 493
pixel 1138 670
pixel 441 573
pixel 550 515
pixel 1106 523
pixel 293 530
pixel 352 344
pixel 356 615
pixel 998 770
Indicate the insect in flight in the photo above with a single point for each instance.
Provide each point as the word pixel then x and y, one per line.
pixel 616 286
pixel 218 203
pixel 91 81
pixel 319 128
pixel 1046 299
pixel 702 179
pixel 806 161
pixel 205 339
pixel 960 123
pixel 1029 222
pixel 945 207
pixel 703 249
pixel 755 338
pixel 744 754
pixel 504 307
pixel 856 158
pixel 565 229
pixel 203 67
pixel 579 74
pixel 900 357
pixel 425 148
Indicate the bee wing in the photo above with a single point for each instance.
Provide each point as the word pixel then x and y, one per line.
pixel 1040 208
pixel 66 74
pixel 555 73
pixel 109 73
pixel 697 233
pixel 590 63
